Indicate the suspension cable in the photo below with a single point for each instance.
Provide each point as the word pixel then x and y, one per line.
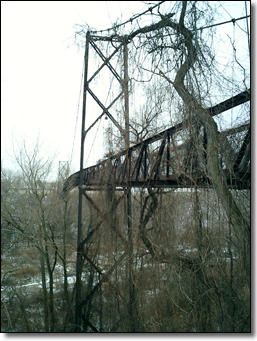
pixel 150 9
pixel 76 123
pixel 247 27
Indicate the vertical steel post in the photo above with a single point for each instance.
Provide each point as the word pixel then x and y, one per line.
pixel 131 303
pixel 126 96
pixel 79 237
pixel 168 156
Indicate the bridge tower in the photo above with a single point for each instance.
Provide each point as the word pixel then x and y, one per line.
pixel 120 48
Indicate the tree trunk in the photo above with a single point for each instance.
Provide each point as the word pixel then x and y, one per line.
pixel 51 291
pixel 64 259
pixel 240 225
pixel 45 294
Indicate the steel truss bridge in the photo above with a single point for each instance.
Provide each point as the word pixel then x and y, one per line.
pixel 165 160
pixel 167 165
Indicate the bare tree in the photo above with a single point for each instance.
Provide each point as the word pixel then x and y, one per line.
pixel 40 219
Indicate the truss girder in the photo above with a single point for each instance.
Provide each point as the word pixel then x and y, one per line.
pixel 163 167
pixel 141 165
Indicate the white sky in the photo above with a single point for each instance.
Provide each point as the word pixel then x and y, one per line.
pixel 41 69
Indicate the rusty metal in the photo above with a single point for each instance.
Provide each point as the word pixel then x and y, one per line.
pixel 142 165
pixel 80 184
pixel 243 153
pixel 80 178
pixel 140 171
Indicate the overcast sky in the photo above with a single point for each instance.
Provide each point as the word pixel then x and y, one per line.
pixel 41 69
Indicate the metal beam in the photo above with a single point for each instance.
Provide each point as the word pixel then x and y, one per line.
pixel 80 184
pixel 105 110
pixel 105 60
pixel 131 169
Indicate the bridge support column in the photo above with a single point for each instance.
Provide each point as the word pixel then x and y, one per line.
pixel 79 236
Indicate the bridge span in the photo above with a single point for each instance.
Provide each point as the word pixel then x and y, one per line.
pixel 169 160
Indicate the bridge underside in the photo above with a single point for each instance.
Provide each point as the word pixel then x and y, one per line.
pixel 241 181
